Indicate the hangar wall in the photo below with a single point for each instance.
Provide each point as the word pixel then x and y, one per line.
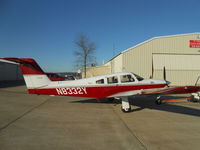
pixel 140 58
pixel 116 64
pixel 10 71
pixel 96 71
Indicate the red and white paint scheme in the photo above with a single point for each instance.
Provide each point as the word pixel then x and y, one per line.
pixel 118 85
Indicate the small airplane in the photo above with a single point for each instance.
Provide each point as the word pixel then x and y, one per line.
pixel 117 85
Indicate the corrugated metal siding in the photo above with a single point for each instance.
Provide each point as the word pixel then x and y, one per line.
pixel 139 58
pixel 96 71
pixel 116 64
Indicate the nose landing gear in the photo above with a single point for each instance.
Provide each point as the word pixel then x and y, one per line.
pixel 125 105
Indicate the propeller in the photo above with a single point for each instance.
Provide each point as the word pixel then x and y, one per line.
pixel 164 73
pixel 196 83
pixel 165 77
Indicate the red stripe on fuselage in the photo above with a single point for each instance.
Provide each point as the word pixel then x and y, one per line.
pixel 92 92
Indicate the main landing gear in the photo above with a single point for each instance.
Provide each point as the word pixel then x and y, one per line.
pixel 195 97
pixel 125 105
pixel 158 100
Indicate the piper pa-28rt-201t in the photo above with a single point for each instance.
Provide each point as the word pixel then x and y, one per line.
pixel 117 85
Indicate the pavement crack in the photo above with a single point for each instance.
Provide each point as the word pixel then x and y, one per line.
pixel 24 114
pixel 134 135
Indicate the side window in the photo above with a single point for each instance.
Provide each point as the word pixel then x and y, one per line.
pixel 113 79
pixel 101 81
pixel 126 78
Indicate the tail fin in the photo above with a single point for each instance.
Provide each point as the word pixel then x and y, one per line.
pixel 34 76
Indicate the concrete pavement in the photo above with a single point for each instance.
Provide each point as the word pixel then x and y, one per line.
pixel 44 122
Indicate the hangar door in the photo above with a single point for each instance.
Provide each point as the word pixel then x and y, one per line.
pixel 181 69
pixel 9 71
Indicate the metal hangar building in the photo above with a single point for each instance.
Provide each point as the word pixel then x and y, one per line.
pixel 178 54
pixel 10 71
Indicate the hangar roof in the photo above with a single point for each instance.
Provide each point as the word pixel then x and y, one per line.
pixel 151 40
pixel 158 38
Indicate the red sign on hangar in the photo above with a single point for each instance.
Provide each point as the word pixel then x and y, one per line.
pixel 194 43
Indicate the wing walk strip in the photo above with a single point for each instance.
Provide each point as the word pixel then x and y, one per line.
pixel 24 114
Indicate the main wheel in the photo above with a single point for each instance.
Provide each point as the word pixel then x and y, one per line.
pixel 158 102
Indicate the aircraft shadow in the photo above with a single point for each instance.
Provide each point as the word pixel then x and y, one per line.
pixel 143 102
pixel 104 100
pixel 149 102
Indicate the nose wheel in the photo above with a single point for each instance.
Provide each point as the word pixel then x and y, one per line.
pixel 125 105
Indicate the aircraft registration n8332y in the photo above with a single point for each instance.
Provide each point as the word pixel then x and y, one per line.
pixel 117 85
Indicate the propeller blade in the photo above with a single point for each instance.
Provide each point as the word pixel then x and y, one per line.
pixel 164 73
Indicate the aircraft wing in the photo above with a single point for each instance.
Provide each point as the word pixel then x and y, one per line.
pixel 175 90
pixel 165 91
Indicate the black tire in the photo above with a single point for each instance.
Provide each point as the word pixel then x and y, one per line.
pixel 158 102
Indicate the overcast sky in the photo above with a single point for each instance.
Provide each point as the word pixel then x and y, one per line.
pixel 46 29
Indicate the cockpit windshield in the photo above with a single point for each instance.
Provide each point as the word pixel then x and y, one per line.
pixel 138 77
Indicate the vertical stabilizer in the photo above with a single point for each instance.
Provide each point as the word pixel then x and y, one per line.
pixel 34 76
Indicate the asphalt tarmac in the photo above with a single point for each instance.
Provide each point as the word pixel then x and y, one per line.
pixel 66 123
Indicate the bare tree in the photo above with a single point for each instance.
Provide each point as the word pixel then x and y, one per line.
pixel 85 52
